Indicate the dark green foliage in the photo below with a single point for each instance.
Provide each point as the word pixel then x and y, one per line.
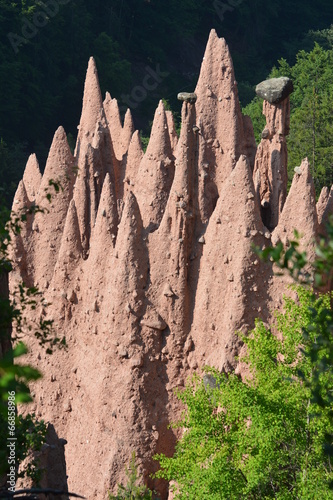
pixel 311 108
pixel 323 37
pixel 311 102
pixel 42 73
pixel 132 491
pixel 144 141
pixel 320 352
pixel 254 110
pixel 12 161
pixel 30 432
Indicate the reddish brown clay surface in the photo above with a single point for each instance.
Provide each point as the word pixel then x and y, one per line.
pixel 146 263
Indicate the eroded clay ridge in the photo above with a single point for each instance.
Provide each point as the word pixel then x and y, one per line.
pixel 146 261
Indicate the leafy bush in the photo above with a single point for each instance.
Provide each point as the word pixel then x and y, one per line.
pixel 261 437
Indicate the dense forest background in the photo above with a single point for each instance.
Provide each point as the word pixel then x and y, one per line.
pixel 45 47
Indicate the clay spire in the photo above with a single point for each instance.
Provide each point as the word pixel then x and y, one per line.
pixel 20 241
pixel 220 123
pixel 130 164
pixel 20 211
pixel 48 226
pixel 159 142
pixel 100 265
pixel 112 114
pixel 92 104
pixel 106 226
pixel 172 129
pixel 232 284
pixel 59 169
pixel 98 161
pixel 130 263
pixel 156 172
pixel 82 198
pixel 70 249
pixel 106 161
pixel 137 346
pixel 175 236
pixel 127 132
pixel 324 208
pixel 270 171
pixel 32 177
pixel 135 155
pixel 299 212
pixel 21 199
pixel 104 144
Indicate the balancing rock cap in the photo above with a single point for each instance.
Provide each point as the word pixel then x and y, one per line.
pixel 190 97
pixel 275 90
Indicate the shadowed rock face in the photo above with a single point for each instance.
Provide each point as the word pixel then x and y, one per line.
pixel 270 169
pixel 324 208
pixel 147 262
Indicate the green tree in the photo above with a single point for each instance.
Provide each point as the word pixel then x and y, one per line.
pixel 260 437
pixel 320 352
pixel 254 110
pixel 323 37
pixel 312 105
pixel 311 109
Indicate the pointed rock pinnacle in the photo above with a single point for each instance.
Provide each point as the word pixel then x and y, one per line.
pixel 324 208
pixel 223 134
pixel 32 177
pixel 92 104
pixel 127 132
pixel 299 212
pixel 130 165
pixel 106 226
pixel 175 234
pixel 156 172
pixel 172 130
pixel 48 226
pixel 225 291
pixel 112 114
pixel 131 263
pixel 70 249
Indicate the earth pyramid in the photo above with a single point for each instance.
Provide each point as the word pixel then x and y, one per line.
pixel 146 262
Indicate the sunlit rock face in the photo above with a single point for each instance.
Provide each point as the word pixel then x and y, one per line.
pixel 146 264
